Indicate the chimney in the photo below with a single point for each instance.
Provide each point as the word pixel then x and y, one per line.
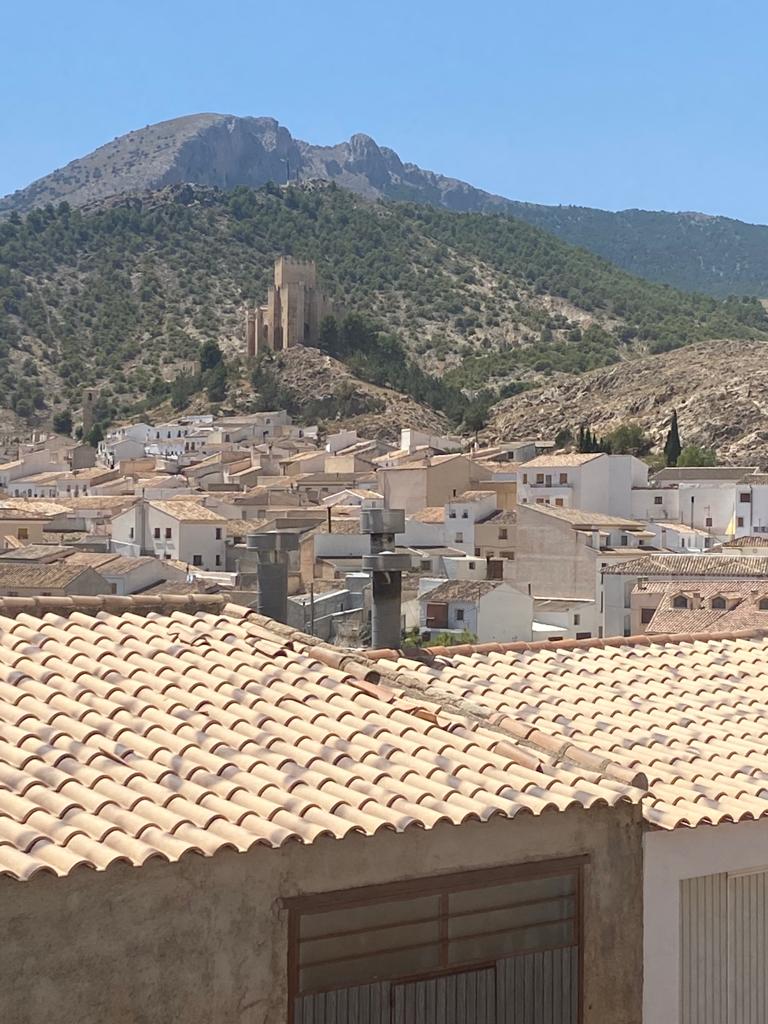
pixel 272 571
pixel 386 569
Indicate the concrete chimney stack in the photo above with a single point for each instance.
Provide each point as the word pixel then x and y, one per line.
pixel 272 571
pixel 386 569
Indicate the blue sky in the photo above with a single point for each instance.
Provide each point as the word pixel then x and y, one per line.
pixel 609 103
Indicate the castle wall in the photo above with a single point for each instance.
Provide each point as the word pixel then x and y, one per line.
pixel 294 311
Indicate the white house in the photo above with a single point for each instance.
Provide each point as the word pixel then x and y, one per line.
pixel 461 515
pixel 179 529
pixel 489 609
pixel 594 482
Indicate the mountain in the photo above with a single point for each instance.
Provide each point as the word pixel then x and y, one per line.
pixel 719 389
pixel 692 251
pixel 122 293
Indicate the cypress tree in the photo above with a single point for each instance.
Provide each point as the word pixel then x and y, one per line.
pixel 672 446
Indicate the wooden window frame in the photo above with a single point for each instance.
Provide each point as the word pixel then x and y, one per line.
pixel 442 885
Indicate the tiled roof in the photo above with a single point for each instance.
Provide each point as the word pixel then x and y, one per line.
pixel 187 511
pixel 37 553
pixel 31 508
pixel 679 474
pixel 474 496
pixel 108 502
pixel 564 459
pixel 500 517
pixel 742 611
pixel 688 712
pixel 759 540
pixel 746 566
pixel 460 590
pixel 129 738
pixel 51 574
pixel 429 514
pixel 338 525
pixel 581 518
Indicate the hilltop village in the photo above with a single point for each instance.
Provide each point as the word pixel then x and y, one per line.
pixel 461 731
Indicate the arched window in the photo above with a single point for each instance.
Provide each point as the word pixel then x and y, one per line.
pixel 718 603
pixel 680 601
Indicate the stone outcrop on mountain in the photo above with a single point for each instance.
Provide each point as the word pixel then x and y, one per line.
pixel 719 389
pixel 691 251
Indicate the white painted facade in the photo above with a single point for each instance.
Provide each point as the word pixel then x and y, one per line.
pixel 670 858
pixel 604 483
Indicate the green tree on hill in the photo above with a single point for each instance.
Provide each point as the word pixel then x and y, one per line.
pixel 693 455
pixel 672 446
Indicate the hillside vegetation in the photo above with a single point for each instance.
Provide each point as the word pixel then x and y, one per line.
pixel 715 255
pixel 718 389
pixel 124 293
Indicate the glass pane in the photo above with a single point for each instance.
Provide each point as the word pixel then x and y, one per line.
pixel 397 964
pixel 491 947
pixel 511 917
pixel 313 951
pixel 513 892
pixel 372 915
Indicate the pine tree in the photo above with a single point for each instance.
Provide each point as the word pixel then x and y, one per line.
pixel 672 446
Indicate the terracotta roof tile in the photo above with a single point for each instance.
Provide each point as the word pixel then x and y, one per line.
pixel 685 713
pixel 129 737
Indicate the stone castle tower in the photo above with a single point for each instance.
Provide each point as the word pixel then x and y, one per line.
pixel 294 311
pixel 90 398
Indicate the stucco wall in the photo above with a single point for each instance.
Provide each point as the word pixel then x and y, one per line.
pixel 205 940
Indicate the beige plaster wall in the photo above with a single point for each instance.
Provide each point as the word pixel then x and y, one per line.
pixel 204 941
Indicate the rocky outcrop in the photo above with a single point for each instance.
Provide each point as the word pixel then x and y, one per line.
pixel 719 389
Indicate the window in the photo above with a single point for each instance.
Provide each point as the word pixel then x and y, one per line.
pixel 113 588
pixel 472 565
pixel 130 533
pixel 745 497
pixel 459 614
pixel 168 533
pixel 739 520
pixel 577 620
pixel 539 478
pixel 459 537
pixel 559 502
pixel 624 540
pixel 719 603
pixel 525 478
pixel 646 614
pixel 762 604
pixel 197 559
pixel 432 926
pixel 452 514
pixel 708 521
pixel 157 533
pixel 658 500
pixel 218 533
pixel 465 514
pixel 563 478
pixel 680 601
pixel 426 564
pixel 22 533
pixel 218 559
pixel 502 533
pixel 477 552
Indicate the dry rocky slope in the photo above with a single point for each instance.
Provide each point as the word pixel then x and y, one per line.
pixel 691 251
pixel 720 391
